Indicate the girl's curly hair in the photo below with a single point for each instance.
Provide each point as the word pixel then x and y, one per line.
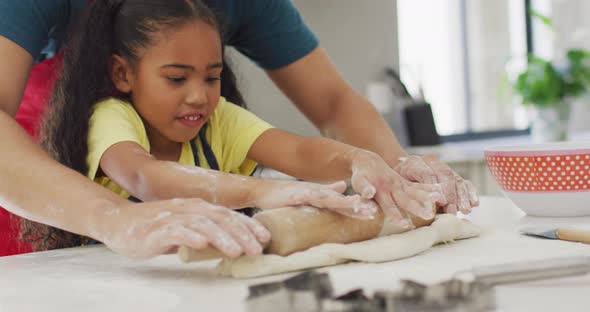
pixel 121 27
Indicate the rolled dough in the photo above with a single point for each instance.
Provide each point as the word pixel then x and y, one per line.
pixel 390 247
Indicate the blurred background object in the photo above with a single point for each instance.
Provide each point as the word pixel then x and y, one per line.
pixel 455 55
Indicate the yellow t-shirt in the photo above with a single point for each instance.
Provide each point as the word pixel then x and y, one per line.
pixel 231 132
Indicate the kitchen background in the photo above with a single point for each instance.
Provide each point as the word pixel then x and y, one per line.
pixel 457 54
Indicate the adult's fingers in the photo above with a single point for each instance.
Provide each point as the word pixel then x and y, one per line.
pixel 217 236
pixel 443 171
pixel 415 169
pixel 233 224
pixel 451 208
pixel 261 233
pixel 391 209
pixel 454 189
pixel 182 236
pixel 463 204
pixel 163 238
pixel 435 192
pixel 416 201
pixel 473 197
pixel 362 186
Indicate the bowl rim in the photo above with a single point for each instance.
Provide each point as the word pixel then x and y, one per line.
pixel 539 153
pixel 546 149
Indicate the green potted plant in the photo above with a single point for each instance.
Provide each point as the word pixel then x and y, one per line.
pixel 549 87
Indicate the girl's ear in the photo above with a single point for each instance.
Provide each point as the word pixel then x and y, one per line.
pixel 121 74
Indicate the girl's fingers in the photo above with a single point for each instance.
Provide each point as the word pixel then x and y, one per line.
pixel 323 197
pixel 365 208
pixel 361 208
pixel 339 187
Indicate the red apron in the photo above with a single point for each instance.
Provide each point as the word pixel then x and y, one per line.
pixel 29 116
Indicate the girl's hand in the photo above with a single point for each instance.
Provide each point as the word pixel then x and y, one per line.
pixel 460 194
pixel 373 178
pixel 149 229
pixel 278 194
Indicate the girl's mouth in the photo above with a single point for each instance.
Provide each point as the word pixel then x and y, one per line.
pixel 192 121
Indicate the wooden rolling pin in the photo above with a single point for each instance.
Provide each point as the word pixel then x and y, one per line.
pixel 296 229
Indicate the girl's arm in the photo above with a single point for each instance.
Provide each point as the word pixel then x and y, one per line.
pixel 143 176
pixel 321 159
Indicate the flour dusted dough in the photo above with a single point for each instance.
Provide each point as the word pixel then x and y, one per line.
pixel 385 248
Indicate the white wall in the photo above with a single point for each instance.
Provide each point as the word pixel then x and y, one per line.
pixel 359 35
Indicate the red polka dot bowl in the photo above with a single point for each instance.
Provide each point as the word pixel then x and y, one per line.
pixel 550 179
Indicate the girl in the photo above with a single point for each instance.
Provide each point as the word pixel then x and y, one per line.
pixel 142 86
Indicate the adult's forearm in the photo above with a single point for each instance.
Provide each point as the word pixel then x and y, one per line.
pixel 356 122
pixel 34 186
pixel 322 160
pixel 316 87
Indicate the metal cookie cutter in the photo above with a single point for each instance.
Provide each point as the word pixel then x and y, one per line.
pixel 303 292
pixel 467 291
pixel 473 290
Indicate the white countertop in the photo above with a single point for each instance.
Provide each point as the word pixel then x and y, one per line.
pixel 473 150
pixel 95 279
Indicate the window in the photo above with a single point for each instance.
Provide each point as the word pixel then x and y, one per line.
pixel 572 30
pixel 457 53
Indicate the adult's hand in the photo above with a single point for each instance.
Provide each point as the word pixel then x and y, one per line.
pixel 460 194
pixel 149 229
pixel 373 178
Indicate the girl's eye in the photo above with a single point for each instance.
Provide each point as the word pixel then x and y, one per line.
pixel 213 79
pixel 176 79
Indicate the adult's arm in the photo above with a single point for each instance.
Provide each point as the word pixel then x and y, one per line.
pixel 316 87
pixel 318 158
pixel 334 107
pixel 274 35
pixel 16 63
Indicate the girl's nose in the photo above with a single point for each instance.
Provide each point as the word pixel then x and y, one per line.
pixel 197 96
